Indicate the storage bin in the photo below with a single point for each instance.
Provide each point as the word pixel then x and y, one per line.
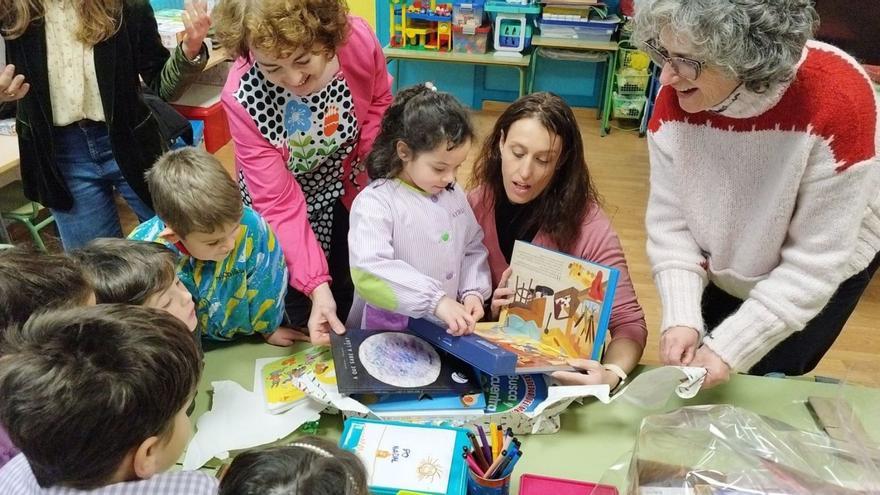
pixel 467 13
pixel 470 38
pixel 631 82
pixel 627 107
pixel 576 31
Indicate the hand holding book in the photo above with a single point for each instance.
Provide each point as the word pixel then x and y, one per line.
pixel 503 294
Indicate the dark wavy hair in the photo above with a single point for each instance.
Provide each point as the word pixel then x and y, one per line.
pixel 560 209
pixel 422 118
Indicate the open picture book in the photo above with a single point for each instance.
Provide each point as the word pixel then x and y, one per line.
pixel 560 310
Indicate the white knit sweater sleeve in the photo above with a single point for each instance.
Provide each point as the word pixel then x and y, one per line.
pixel 822 236
pixel 676 259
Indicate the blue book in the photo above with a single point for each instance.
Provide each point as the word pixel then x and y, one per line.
pixel 403 456
pixel 384 403
pixel 561 309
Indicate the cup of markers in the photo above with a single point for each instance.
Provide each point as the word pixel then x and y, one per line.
pixel 491 458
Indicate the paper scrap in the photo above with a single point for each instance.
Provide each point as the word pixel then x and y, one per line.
pixel 238 420
pixel 653 388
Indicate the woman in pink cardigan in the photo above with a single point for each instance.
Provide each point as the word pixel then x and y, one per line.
pixel 531 183
pixel 304 99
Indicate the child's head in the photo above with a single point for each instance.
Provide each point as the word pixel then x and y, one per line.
pixel 32 281
pixel 535 154
pixel 291 41
pixel 139 273
pixel 309 466
pixel 426 135
pixel 198 201
pixel 97 395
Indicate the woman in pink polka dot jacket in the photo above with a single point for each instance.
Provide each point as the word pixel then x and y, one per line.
pixel 304 99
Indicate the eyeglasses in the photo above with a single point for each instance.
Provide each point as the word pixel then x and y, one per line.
pixel 687 68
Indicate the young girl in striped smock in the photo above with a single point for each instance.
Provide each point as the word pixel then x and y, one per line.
pixel 415 247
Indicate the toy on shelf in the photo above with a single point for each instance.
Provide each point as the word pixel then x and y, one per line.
pixel 421 25
pixel 513 26
pixel 468 12
pixel 470 38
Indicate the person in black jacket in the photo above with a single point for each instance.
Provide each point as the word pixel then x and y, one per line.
pixel 75 70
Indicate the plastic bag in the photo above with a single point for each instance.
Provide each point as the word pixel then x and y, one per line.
pixel 722 449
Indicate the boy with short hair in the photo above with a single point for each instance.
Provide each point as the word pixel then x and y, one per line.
pixel 229 257
pixel 139 273
pixel 30 282
pixel 96 398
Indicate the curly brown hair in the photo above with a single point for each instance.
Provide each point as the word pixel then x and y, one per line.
pixel 561 208
pixel 279 27
pixel 98 19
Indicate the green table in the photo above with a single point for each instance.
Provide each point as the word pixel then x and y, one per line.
pixel 594 436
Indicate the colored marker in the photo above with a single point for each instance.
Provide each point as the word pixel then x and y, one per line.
pixel 510 465
pixel 478 456
pixel 487 449
pixel 473 465
pixel 496 445
pixel 494 466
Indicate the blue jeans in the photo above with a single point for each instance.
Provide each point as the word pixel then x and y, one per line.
pixel 85 160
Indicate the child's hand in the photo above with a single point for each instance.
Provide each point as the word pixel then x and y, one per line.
pixel 285 337
pixel 196 23
pixel 323 319
pixel 456 316
pixel 502 296
pixel 474 306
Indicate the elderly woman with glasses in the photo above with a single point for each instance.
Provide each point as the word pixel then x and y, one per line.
pixel 764 214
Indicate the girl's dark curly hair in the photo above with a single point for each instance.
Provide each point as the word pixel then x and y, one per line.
pixel 422 118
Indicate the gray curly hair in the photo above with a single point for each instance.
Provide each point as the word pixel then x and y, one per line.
pixel 758 41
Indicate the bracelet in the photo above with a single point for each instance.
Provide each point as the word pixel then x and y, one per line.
pixel 617 370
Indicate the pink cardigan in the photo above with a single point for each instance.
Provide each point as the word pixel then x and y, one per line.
pixel 275 193
pixel 597 242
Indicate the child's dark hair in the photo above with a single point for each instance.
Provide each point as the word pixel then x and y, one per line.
pixel 422 118
pixel 82 387
pixel 31 281
pixel 126 271
pixel 306 467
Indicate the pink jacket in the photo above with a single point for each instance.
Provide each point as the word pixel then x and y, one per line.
pixel 275 193
pixel 597 242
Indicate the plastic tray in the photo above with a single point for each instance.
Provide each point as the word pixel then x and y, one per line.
pixel 533 484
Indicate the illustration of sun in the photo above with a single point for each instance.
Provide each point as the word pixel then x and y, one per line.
pixel 429 469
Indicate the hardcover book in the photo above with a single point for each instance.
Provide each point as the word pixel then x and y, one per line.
pixel 388 361
pixel 561 309
pixel 279 376
pixel 402 456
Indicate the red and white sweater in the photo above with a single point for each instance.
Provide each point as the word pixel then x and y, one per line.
pixel 774 197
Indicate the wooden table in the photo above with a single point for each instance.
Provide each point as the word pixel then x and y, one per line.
pixel 521 63
pixel 607 48
pixel 594 436
pixel 8 173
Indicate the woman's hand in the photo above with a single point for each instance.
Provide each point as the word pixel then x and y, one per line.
pixel 678 346
pixel 323 319
pixel 12 87
pixel 591 373
pixel 502 296
pixel 456 316
pixel 474 306
pixel 718 371
pixel 196 22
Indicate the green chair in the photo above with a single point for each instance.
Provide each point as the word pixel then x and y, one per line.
pixel 15 206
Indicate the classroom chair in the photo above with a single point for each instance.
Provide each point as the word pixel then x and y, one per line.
pixel 15 206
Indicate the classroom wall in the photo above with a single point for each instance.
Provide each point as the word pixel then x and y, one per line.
pixel 579 83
